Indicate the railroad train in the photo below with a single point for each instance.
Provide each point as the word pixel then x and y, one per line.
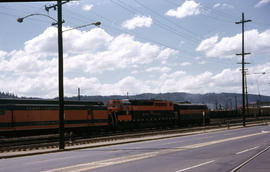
pixel 253 111
pixel 32 116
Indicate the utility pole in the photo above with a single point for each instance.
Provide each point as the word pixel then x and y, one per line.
pixel 58 22
pixel 60 72
pixel 235 101
pixel 246 92
pixel 61 78
pixel 243 21
pixel 79 94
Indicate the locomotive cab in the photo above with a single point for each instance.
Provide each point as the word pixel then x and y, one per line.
pixel 119 111
pixel 114 105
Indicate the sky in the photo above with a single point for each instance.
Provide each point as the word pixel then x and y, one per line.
pixel 154 46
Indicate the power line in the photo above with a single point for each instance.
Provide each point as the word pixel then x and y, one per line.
pixel 118 30
pixel 176 24
pixel 161 25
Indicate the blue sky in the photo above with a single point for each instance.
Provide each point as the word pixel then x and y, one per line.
pixel 155 46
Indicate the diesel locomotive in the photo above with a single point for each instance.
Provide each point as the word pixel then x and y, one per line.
pixel 32 116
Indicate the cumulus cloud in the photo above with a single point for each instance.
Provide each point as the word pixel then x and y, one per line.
pixel 261 3
pixel 188 8
pixel 227 47
pixel 202 62
pixel 185 64
pixel 43 43
pixel 158 69
pixel 222 5
pixel 87 7
pixel 73 3
pixel 228 80
pixel 166 53
pixel 33 70
pixel 137 21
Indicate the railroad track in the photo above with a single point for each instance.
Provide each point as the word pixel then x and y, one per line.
pixel 51 141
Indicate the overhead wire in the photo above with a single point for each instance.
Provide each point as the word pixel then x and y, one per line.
pixel 83 19
pixel 12 14
pixel 213 17
pixel 190 33
pixel 206 9
pixel 161 25
pixel 112 25
pixel 211 61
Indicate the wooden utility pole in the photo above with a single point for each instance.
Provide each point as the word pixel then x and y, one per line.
pixel 60 72
pixel 79 94
pixel 243 21
pixel 247 110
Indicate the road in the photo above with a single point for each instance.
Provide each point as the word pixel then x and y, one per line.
pixel 215 151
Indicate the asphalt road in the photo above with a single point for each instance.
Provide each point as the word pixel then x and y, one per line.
pixel 215 151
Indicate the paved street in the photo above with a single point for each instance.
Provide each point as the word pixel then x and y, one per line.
pixel 215 151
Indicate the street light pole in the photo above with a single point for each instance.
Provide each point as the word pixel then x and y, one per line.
pixel 60 77
pixel 59 22
pixel 20 20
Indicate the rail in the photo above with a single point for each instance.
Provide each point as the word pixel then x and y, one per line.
pixel 51 141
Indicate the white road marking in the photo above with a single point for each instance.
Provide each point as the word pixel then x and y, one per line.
pixel 129 158
pixel 263 131
pixel 247 150
pixel 250 159
pixel 195 166
pixel 104 163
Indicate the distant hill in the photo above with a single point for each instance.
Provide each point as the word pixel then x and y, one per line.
pixel 7 95
pixel 213 100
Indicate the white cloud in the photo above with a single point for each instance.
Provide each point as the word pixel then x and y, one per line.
pixel 216 5
pixel 222 5
pixel 158 69
pixel 228 80
pixel 262 3
pixel 134 72
pixel 33 70
pixel 202 62
pixel 137 21
pixel 113 57
pixel 188 8
pixel 43 43
pixel 2 53
pixel 227 47
pixel 87 7
pixel 185 64
pixel 73 3
pixel 166 53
